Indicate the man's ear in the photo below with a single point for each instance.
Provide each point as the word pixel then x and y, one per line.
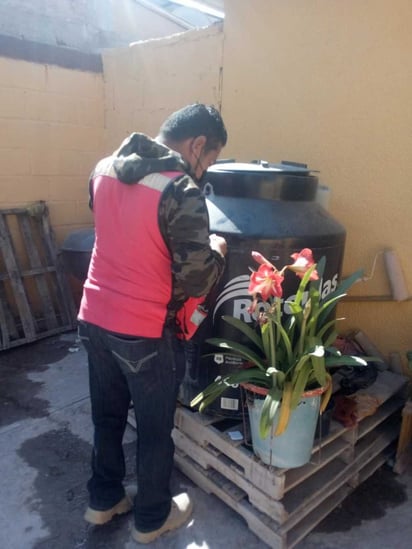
pixel 198 144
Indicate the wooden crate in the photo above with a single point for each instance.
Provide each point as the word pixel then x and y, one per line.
pixel 35 300
pixel 281 506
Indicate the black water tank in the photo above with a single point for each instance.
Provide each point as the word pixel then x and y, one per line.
pixel 76 252
pixel 270 208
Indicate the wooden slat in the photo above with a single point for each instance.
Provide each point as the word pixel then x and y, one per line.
pixel 35 262
pixel 24 319
pixel 331 451
pixel 384 411
pixel 10 324
pixel 4 332
pixel 66 304
pixel 310 521
pixel 40 335
pixel 259 523
pixel 7 248
pixel 321 485
pixel 259 474
pixel 228 470
pixel 31 272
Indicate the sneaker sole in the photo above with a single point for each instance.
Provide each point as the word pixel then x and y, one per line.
pixel 101 517
pixel 148 537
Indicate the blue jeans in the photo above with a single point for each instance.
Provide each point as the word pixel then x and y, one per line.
pixel 148 372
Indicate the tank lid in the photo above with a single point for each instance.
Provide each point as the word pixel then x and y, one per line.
pixel 261 167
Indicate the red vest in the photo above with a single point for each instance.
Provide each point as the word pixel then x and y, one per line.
pixel 129 282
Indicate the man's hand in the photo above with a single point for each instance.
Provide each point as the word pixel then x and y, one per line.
pixel 218 244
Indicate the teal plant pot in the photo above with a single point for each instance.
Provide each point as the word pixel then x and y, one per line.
pixel 294 447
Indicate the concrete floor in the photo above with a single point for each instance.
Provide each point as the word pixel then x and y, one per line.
pixel 45 444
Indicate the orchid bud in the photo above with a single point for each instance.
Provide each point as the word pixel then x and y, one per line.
pixel 259 258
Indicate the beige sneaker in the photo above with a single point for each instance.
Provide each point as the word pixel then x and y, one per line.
pixel 101 517
pixel 179 513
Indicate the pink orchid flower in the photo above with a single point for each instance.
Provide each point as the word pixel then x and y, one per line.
pixel 303 262
pixel 266 281
pixel 259 258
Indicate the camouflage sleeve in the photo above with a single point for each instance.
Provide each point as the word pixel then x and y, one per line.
pixel 184 223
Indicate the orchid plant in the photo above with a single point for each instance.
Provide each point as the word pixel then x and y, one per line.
pixel 285 354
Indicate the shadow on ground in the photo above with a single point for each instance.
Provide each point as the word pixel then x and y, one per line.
pixel 59 491
pixel 369 501
pixel 17 392
pixel 61 460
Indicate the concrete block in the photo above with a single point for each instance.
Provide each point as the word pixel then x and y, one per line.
pixel 128 94
pixel 62 188
pixel 18 189
pixel 14 133
pixel 74 83
pixel 12 101
pixel 83 213
pixel 44 162
pixel 88 159
pixel 73 137
pixel 62 212
pixel 14 162
pixel 50 107
pixel 69 164
pixel 22 74
pixel 90 112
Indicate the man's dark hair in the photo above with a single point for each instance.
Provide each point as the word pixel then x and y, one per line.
pixel 195 120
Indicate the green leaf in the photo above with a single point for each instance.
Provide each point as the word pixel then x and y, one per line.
pixel 345 360
pixel 238 349
pixel 327 327
pixel 347 283
pixel 249 332
pixel 265 331
pixel 318 362
pixel 320 267
pixel 303 284
pixel 331 299
pixel 314 296
pixel 295 369
pixel 219 386
pixel 272 344
pixel 300 385
pixel 268 412
pixel 286 341
pixel 318 352
pixel 281 379
pixel 333 351
pixel 294 307
pixel 290 327
pixel 324 310
pixel 331 338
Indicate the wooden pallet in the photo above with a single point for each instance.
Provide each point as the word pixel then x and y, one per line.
pixel 281 506
pixel 35 300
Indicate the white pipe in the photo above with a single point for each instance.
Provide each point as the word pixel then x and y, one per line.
pixel 323 196
pixel 395 275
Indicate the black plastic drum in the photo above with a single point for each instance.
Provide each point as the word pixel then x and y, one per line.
pixel 271 209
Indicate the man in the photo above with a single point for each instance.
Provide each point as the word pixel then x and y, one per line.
pixel 152 253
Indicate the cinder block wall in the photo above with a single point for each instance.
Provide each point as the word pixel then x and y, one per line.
pixel 52 122
pixel 58 122
pixel 147 81
pixel 329 83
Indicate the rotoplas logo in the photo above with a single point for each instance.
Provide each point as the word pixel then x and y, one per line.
pixel 235 291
